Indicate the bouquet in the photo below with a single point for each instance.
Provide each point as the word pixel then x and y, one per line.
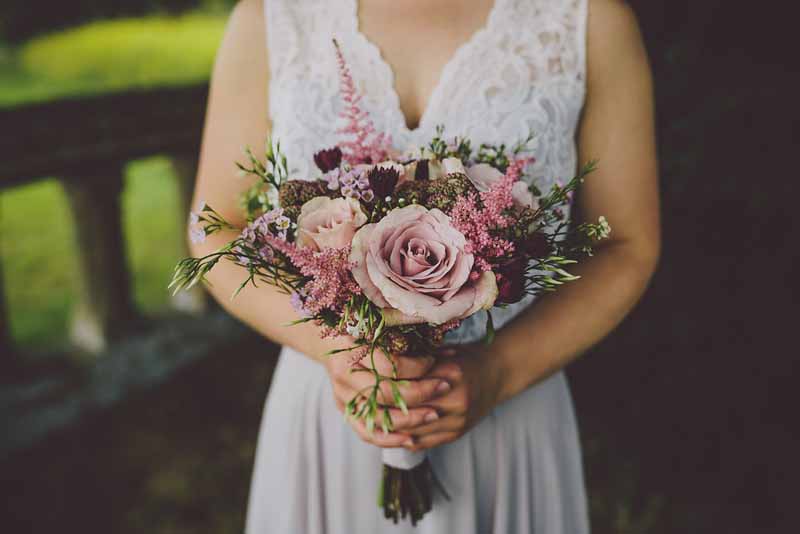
pixel 395 250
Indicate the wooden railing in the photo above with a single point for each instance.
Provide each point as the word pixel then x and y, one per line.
pixel 85 144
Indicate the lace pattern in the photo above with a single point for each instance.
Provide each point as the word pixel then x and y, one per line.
pixel 524 71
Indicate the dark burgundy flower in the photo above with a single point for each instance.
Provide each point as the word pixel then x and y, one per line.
pixel 329 159
pixel 536 245
pixel 382 181
pixel 422 171
pixel 511 281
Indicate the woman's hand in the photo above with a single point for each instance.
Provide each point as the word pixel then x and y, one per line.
pixel 348 380
pixel 475 389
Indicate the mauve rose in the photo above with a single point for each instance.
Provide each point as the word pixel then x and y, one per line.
pixel 413 265
pixel 328 222
pixel 483 176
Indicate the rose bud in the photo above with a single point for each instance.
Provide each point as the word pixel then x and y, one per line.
pixel 329 159
pixel 511 281
pixel 382 181
pixel 536 245
pixel 421 172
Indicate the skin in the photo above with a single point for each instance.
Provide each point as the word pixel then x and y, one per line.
pixel 450 394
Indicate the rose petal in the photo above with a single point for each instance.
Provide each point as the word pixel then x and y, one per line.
pixel 452 166
pixel 483 176
pixel 358 255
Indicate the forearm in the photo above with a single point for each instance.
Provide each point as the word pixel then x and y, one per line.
pixel 263 308
pixel 564 324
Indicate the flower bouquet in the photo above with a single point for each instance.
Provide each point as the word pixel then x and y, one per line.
pixel 395 250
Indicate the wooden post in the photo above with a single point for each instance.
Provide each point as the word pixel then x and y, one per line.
pixel 9 359
pixel 184 166
pixel 104 310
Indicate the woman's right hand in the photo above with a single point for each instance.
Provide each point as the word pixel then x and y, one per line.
pixel 348 380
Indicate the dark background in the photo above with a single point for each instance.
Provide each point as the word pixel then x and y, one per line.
pixel 688 411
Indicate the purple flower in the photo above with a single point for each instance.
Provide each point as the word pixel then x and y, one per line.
pixel 297 300
pixel 329 159
pixel 197 235
pixel 511 281
pixel 421 172
pixel 382 180
pixel 332 177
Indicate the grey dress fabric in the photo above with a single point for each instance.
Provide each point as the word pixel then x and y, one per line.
pixel 519 470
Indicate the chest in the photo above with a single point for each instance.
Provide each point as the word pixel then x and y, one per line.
pixel 417 39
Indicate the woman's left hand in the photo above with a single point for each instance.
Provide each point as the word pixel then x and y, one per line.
pixel 474 391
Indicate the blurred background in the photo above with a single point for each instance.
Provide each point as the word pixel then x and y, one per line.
pixel 124 410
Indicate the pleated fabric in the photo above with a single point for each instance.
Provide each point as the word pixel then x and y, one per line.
pixel 517 471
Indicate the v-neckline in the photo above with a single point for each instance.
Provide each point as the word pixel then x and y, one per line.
pixel 444 74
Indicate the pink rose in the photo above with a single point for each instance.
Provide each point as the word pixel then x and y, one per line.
pixel 413 264
pixel 328 222
pixel 483 176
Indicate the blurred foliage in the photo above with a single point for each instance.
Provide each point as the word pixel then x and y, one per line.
pixel 37 244
pixel 42 249
pixel 22 19
pixel 108 55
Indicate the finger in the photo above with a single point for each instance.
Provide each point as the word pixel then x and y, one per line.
pixel 378 437
pixel 444 423
pixel 447 351
pixel 431 440
pixel 407 366
pixel 449 369
pixel 414 392
pixel 415 418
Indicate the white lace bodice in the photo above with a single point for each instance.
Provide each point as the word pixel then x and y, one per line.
pixel 523 72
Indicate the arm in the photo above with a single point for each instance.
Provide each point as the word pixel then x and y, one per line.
pixel 617 129
pixel 237 117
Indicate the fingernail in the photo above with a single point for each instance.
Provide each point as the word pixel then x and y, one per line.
pixel 443 387
pixel 409 442
pixel 431 417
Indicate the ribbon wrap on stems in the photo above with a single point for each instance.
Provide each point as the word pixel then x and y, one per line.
pixel 407 485
pixel 401 458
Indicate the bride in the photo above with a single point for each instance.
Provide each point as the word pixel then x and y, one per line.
pixel 497 421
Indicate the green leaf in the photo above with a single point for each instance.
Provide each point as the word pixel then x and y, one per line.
pixel 379 330
pixel 490 333
pixel 398 398
pixel 386 421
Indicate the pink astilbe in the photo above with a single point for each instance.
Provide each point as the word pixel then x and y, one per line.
pixel 476 220
pixel 365 144
pixel 330 285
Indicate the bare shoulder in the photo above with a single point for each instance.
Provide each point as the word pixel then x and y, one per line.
pixel 615 45
pixel 242 56
pixel 612 18
pixel 246 24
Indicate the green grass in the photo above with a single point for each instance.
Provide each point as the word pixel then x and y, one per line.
pixel 111 55
pixel 39 256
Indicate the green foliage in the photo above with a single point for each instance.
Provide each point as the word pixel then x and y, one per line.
pixel 111 55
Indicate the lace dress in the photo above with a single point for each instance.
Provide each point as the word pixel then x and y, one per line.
pixel 519 470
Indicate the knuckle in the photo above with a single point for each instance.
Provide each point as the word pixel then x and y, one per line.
pixel 454 370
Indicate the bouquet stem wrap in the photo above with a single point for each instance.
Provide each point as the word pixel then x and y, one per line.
pixel 400 458
pixel 407 486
